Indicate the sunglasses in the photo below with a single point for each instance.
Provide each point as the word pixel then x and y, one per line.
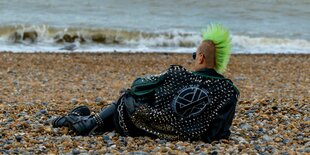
pixel 194 55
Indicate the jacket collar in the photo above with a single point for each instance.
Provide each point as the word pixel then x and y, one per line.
pixel 208 72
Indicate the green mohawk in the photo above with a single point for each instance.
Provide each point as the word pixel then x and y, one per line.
pixel 219 35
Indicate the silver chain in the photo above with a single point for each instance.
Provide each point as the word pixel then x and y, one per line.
pixel 121 116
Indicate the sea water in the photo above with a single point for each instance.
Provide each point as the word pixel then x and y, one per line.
pixel 256 26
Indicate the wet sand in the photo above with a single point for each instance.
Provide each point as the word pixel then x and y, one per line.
pixel 272 113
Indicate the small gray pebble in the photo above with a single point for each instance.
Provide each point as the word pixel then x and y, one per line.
pixel 113 146
pixel 15 82
pixel 285 141
pixel 250 114
pixel 111 134
pixel 161 141
pixel 110 143
pixel 43 111
pixel 10 141
pixel 240 78
pixel 123 140
pixel 214 153
pixel 10 119
pixel 266 138
pixel 45 80
pixel 106 138
pixel 38 114
pixel 257 147
pixel 15 151
pixel 98 100
pixel 29 103
pixel 261 130
pixel 300 150
pixel 245 126
pixel 269 148
pixel 18 138
pixel 44 103
pixel 73 101
pixel 75 151
pixel 197 148
pixel 138 153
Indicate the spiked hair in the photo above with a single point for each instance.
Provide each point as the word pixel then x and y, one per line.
pixel 219 35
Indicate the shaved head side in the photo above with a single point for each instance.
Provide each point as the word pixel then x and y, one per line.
pixel 207 48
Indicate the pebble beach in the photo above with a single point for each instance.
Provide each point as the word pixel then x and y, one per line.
pixel 272 115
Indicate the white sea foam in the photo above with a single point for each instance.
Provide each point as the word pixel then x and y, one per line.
pixel 246 44
pixel 47 39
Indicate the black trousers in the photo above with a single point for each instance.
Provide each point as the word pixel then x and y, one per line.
pixel 111 119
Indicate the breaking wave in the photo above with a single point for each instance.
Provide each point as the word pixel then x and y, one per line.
pixel 33 34
pixel 134 40
pixel 246 44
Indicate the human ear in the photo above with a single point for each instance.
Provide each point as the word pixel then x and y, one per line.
pixel 200 58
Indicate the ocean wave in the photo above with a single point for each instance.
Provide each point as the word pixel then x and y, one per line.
pixel 135 40
pixel 34 34
pixel 246 44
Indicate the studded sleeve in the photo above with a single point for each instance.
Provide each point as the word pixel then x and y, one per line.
pixel 220 126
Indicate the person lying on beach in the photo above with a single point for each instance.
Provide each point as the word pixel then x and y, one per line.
pixel 174 105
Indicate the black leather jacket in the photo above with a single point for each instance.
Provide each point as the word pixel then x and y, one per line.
pixel 142 95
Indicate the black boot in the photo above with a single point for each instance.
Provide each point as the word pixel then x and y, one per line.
pixel 84 125
pixel 78 111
